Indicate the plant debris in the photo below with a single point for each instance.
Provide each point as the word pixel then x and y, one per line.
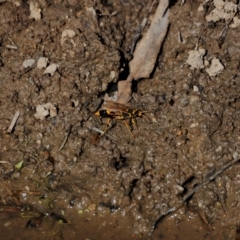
pixel 14 121
pixel 146 52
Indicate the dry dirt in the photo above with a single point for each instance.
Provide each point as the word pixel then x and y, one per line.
pixel 116 186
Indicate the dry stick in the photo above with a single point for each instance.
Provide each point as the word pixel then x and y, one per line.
pixel 14 120
pixel 13 46
pixel 97 130
pixel 2 162
pixel 102 132
pixel 66 138
pixel 191 193
pixel 10 209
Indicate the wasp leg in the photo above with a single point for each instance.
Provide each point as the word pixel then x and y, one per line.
pixel 109 125
pixel 128 127
pixel 134 122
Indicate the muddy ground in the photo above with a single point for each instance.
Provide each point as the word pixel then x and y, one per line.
pixel 116 186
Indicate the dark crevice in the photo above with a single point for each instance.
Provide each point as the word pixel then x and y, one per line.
pixel 171 102
pixel 124 65
pixel 132 186
pixel 119 163
pixel 112 207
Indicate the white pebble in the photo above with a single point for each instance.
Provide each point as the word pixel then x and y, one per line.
pixel 42 62
pixel 29 62
pixel 51 69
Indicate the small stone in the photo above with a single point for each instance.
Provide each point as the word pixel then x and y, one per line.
pixel 35 10
pixel 219 149
pixel 235 155
pixel 44 110
pixel 195 58
pixel 51 69
pixel 193 125
pixel 41 112
pixel 29 62
pixel 185 86
pixel 112 75
pixel 67 33
pixel 195 88
pixel 194 99
pixel 215 68
pixel 42 62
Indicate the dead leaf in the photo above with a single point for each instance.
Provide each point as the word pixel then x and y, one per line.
pixel 125 87
pixel 124 91
pixel 148 48
pixel 146 52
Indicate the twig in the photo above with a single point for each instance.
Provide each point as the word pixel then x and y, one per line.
pixel 14 120
pixel 66 138
pixel 97 130
pixel 193 191
pixel 102 132
pixel 209 179
pixel 11 46
pixel 2 162
pixel 206 1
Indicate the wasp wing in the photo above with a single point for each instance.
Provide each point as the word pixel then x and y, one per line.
pixel 114 106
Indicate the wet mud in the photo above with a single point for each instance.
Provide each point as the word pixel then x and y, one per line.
pixel 61 180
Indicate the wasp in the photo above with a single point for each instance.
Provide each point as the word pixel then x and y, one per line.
pixel 117 111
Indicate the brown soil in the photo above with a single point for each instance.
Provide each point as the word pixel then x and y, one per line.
pixel 116 186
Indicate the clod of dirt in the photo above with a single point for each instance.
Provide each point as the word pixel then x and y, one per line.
pixel 45 110
pixel 68 33
pixel 215 68
pixel 42 62
pixel 35 10
pixel 17 3
pixel 236 22
pixel 51 69
pixel 195 59
pixel 29 62
pixel 223 10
